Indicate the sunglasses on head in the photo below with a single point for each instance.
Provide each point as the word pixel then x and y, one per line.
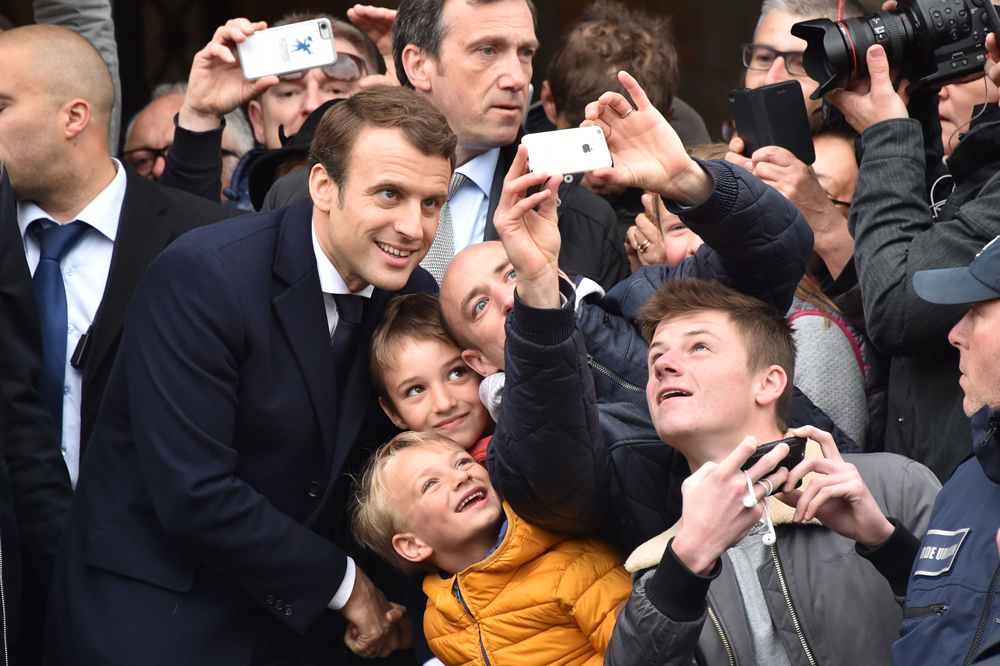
pixel 348 68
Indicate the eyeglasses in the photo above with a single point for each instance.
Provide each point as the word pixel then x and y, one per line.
pixel 348 68
pixel 144 159
pixel 760 58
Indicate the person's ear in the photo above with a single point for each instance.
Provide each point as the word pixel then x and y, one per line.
pixel 771 385
pixel 549 102
pixel 75 118
pixel 417 63
pixel 393 416
pixel 322 189
pixel 256 113
pixel 477 361
pixel 411 548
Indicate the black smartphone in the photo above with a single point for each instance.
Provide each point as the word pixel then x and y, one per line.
pixel 773 115
pixel 796 452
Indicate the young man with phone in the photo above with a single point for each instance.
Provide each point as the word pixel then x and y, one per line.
pixel 743 576
pixel 715 375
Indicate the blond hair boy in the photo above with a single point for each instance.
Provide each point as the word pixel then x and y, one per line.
pixel 500 591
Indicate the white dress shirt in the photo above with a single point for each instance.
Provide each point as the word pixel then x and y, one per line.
pixel 85 274
pixel 332 283
pixel 471 202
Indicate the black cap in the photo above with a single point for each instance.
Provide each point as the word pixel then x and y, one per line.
pixel 261 175
pixel 979 281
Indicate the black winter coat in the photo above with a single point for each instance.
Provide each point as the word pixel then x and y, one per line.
pixel 575 449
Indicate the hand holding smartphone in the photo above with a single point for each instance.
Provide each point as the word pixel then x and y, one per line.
pixel 773 115
pixel 287 49
pixel 796 453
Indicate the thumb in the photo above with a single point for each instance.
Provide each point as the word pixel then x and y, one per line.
pixel 878 69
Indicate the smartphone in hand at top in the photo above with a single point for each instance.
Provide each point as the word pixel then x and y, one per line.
pixel 287 49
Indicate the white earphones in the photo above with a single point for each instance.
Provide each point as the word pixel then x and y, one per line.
pixel 750 501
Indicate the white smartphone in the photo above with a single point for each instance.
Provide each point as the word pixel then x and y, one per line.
pixel 290 48
pixel 576 150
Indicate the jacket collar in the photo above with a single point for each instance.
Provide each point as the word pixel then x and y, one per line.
pixel 141 236
pixel 986 444
pixel 649 554
pixel 978 147
pixel 301 312
pixel 507 155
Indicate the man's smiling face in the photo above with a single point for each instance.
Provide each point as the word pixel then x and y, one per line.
pixel 382 218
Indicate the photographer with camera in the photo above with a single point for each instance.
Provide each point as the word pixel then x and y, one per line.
pixel 898 230
pixel 776 55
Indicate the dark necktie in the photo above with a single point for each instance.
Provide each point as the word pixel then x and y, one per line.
pixel 54 242
pixel 345 335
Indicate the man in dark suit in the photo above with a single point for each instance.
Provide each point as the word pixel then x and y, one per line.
pixel 56 97
pixel 62 176
pixel 473 61
pixel 34 487
pixel 211 522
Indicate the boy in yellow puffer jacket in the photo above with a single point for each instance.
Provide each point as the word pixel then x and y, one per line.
pixel 500 591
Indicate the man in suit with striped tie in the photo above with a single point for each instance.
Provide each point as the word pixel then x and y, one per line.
pixel 474 63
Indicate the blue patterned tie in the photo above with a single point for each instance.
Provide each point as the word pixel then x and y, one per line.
pixel 55 242
pixel 349 311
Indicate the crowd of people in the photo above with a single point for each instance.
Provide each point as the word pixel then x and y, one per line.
pixel 315 369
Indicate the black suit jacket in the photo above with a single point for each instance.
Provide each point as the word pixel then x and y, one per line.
pixel 34 485
pixel 151 218
pixel 211 513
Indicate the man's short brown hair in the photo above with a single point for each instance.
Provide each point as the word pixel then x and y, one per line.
pixel 375 522
pixel 380 107
pixel 405 318
pixel 608 38
pixel 766 334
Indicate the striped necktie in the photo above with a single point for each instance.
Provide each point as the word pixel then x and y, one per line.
pixel 443 249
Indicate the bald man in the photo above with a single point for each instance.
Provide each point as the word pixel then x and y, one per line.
pixel 89 227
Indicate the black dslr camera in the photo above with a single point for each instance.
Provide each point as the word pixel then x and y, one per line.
pixel 934 41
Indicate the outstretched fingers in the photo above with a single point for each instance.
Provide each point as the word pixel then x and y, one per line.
pixel 635 90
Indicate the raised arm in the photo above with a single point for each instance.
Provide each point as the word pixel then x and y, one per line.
pixel 760 240
pixel 549 396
